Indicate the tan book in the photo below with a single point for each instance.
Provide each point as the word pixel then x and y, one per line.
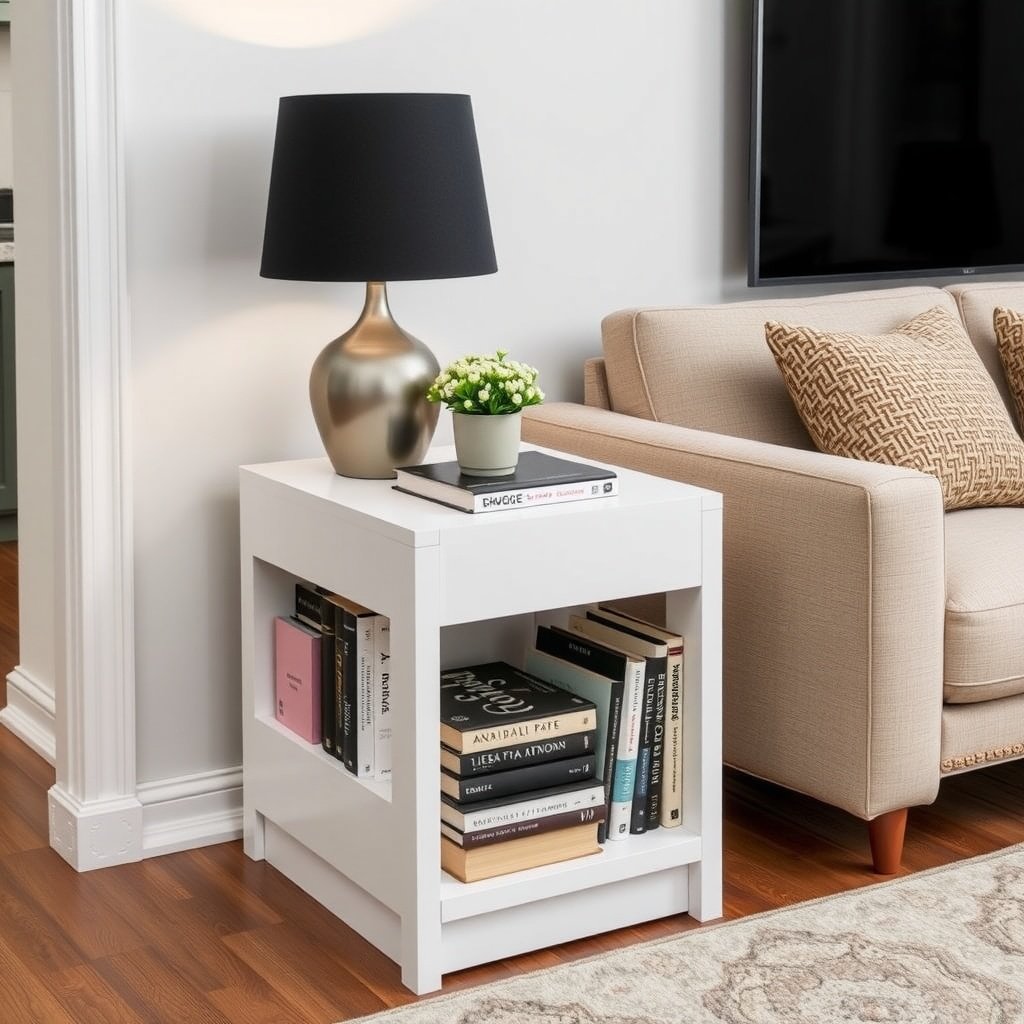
pixel 482 862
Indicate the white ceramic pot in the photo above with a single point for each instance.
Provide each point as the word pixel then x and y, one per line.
pixel 487 445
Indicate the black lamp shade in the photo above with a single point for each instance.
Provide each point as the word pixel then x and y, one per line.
pixel 376 187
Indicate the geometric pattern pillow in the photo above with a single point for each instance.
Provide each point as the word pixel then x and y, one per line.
pixel 918 397
pixel 1009 328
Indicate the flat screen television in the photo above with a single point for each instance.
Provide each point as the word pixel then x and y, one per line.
pixel 887 139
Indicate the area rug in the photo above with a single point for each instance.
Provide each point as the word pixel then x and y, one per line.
pixel 945 946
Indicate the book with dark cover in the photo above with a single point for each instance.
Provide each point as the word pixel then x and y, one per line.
pixel 615 665
pixel 606 693
pixel 501 833
pixel 642 787
pixel 654 729
pixel 503 758
pixel 538 479
pixel 347 616
pixel 506 810
pixel 312 606
pixel 484 707
pixel 518 780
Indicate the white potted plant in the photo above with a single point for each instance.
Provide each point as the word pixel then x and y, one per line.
pixel 486 394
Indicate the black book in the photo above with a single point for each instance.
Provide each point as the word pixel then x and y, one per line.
pixel 484 707
pixel 539 479
pixel 533 826
pixel 313 607
pixel 654 730
pixel 517 780
pixel 503 758
pixel 346 674
pixel 571 668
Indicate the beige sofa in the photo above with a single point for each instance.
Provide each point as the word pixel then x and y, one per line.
pixel 873 643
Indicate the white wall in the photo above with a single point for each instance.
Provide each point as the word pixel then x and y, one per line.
pixel 34 78
pixel 613 139
pixel 6 128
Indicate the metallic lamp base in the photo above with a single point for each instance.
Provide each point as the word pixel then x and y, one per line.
pixel 368 391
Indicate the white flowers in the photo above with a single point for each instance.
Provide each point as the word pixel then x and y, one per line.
pixel 490 385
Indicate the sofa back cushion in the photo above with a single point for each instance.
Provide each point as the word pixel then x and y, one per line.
pixel 708 367
pixel 977 303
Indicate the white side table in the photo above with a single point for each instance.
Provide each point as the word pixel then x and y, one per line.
pixel 463 589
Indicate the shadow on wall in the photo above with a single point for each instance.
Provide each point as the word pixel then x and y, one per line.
pixel 738 16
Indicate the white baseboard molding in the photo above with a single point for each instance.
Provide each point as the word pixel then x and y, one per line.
pixel 30 714
pixel 97 833
pixel 189 811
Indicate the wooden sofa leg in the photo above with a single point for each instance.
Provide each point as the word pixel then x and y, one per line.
pixel 886 835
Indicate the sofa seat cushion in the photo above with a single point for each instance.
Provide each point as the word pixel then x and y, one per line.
pixel 984 648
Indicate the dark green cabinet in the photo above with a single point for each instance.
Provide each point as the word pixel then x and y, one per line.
pixel 8 434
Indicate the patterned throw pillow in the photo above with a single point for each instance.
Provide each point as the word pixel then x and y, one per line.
pixel 919 397
pixel 1009 327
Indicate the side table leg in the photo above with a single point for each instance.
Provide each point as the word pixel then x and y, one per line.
pixel 416 670
pixel 253 832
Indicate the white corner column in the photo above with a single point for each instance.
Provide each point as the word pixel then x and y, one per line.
pixel 95 814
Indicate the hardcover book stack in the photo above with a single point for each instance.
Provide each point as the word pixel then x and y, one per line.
pixel 633 673
pixel 520 773
pixel 347 652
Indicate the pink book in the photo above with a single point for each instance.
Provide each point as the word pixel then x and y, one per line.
pixel 297 677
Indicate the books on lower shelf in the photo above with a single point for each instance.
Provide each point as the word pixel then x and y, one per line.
pixel 519 772
pixel 539 479
pixel 355 681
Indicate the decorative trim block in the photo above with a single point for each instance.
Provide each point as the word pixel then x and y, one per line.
pixel 979 757
pixel 191 810
pixel 98 834
pixel 30 714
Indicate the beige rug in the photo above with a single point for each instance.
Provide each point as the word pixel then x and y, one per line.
pixel 944 947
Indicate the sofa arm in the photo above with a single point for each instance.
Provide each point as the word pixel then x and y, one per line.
pixel 834 600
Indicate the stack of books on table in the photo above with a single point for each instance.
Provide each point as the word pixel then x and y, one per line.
pixel 632 671
pixel 539 479
pixel 520 776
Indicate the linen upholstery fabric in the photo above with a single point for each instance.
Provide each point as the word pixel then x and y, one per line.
pixel 974 735
pixel 1009 330
pixel 976 303
pixel 706 367
pixel 595 384
pixel 808 702
pixel 917 397
pixel 984 656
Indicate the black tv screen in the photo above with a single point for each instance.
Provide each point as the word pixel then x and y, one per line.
pixel 887 139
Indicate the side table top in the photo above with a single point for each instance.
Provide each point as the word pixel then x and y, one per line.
pixel 418 522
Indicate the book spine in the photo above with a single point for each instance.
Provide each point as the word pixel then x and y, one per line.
pixel 328 715
pixel 569 647
pixel 543 807
pixel 672 774
pixel 522 754
pixel 657 750
pixel 521 780
pixel 641 788
pixel 345 676
pixel 535 497
pixel 382 698
pixel 623 781
pixel 307 605
pixel 535 826
pixel 365 733
pixel 493 737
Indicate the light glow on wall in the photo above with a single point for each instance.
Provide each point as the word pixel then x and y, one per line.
pixel 293 23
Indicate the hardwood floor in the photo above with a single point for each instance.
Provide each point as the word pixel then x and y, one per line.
pixel 209 936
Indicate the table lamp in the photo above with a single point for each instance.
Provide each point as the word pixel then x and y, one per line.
pixel 375 187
